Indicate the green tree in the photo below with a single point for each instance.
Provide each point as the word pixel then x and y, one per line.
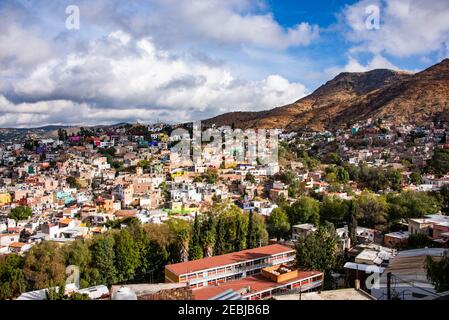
pixel 160 242
pixel 220 244
pixel 318 251
pixel 334 158
pixel 20 213
pixel 251 234
pixel 195 250
pixel 305 210
pixel 44 266
pixel 334 210
pixel 56 293
pixel 438 273
pixel 73 182
pixel 127 255
pixel 278 224
pixel 439 164
pixel 416 178
pixel 145 164
pixel 78 253
pixel 208 236
pixel 352 223
pixel 156 258
pixel 411 204
pixel 235 227
pixel 260 230
pixel 444 196
pixel 141 240
pixel 12 278
pixel 394 178
pixel 250 177
pixel 287 177
pixel 180 246
pixel 239 238
pixel 211 176
pixel 371 210
pixel 342 175
pixel 103 260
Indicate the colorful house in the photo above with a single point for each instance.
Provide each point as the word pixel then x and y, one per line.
pixel 5 198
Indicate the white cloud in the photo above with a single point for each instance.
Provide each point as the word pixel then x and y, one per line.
pixel 145 70
pixel 20 49
pixel 230 22
pixel 408 27
pixel 353 65
pixel 120 78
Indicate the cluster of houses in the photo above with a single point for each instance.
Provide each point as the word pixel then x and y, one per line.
pixel 75 185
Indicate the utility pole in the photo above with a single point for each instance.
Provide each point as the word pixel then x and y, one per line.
pixel 389 286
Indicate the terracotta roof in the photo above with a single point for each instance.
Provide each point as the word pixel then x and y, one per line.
pixel 65 221
pixel 226 259
pixel 17 244
pixel 256 284
pixel 9 235
pixel 125 213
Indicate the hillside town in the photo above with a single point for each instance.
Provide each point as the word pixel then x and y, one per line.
pixel 338 208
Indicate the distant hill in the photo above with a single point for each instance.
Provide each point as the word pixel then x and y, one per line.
pixel 45 131
pixel 397 96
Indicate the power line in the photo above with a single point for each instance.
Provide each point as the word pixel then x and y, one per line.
pixel 414 286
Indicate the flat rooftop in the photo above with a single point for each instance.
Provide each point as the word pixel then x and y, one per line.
pixel 409 265
pixel 256 283
pixel 399 234
pixel 341 294
pixel 227 259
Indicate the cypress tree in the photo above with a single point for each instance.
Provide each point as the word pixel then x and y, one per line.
pixel 208 236
pixel 239 236
pixel 220 243
pixel 251 235
pixel 195 250
pixel 352 223
pixel 196 231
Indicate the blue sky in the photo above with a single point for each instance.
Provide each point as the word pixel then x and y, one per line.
pixel 176 60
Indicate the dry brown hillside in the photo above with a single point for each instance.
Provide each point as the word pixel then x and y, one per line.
pixel 350 97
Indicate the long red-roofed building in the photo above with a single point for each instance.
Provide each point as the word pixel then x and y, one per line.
pixel 254 273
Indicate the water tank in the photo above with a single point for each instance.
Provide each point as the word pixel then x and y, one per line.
pixel 124 293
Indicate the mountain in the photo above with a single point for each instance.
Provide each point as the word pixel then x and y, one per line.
pixel 397 96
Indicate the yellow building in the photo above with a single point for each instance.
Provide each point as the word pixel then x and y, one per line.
pixel 5 198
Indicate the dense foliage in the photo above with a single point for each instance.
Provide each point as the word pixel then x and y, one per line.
pixel 20 213
pixel 137 253
pixel 438 272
